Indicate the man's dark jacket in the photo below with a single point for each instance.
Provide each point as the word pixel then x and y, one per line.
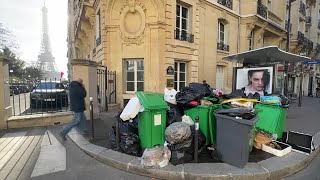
pixel 77 95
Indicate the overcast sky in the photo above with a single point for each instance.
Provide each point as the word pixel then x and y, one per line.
pixel 24 19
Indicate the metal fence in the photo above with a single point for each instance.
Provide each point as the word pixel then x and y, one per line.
pixel 106 87
pixel 38 97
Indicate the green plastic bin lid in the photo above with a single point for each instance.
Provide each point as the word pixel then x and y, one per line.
pixel 151 100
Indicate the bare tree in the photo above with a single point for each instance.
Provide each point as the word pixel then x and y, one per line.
pixel 8 39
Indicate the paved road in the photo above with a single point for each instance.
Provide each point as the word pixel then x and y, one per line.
pixel 79 166
pixel 311 172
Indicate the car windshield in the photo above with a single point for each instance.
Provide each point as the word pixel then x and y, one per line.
pixel 50 85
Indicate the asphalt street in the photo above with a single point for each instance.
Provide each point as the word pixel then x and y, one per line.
pixel 79 166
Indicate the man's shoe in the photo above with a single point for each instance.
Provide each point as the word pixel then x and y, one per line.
pixel 62 136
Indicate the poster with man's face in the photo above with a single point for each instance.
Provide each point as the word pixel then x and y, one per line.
pixel 255 79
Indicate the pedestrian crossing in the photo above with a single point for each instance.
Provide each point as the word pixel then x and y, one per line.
pixel 16 150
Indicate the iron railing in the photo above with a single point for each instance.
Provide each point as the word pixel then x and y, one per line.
pixel 309 44
pixel 183 36
pixel 286 25
pixel 222 46
pixel 106 87
pixel 226 3
pixel 300 38
pixel 302 8
pixel 262 10
pixel 98 41
pixel 39 97
pixel 318 48
pixel 308 20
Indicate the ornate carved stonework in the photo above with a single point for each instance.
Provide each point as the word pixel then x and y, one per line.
pixel 260 35
pixel 132 22
pixel 90 16
pixel 250 27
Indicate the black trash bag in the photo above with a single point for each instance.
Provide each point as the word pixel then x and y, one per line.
pixel 215 155
pixel 244 113
pixel 129 127
pixel 203 89
pixel 186 95
pixel 112 138
pixel 254 96
pixel 285 101
pixel 129 144
pixel 180 157
pixel 174 114
pixel 238 93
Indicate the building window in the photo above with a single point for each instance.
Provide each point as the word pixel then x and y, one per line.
pixel 222 36
pixel 251 40
pixel 182 24
pixel 134 75
pixel 220 77
pixel 221 33
pixel 269 5
pixel 180 75
pixel 98 29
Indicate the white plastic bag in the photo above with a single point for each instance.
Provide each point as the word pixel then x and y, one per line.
pixel 170 96
pixel 187 120
pixel 156 157
pixel 132 109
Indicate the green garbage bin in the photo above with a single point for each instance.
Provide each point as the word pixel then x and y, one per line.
pixel 152 121
pixel 207 121
pixel 272 118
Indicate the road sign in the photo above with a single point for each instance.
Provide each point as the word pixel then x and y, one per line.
pixel 312 62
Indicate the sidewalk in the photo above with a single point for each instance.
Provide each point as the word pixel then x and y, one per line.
pixel 302 119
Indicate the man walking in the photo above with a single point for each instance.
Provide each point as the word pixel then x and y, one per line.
pixel 77 94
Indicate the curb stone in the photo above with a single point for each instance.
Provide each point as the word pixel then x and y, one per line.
pixel 272 168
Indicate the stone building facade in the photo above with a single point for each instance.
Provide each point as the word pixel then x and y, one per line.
pixel 153 44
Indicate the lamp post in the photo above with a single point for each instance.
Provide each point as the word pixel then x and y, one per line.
pixel 285 87
pixel 11 72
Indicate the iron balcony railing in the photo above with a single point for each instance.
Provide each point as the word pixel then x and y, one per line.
pixel 300 38
pixel 183 36
pixel 98 41
pixel 226 3
pixel 262 10
pixel 302 8
pixel 286 26
pixel 307 43
pixel 318 48
pixel 222 46
pixel 308 20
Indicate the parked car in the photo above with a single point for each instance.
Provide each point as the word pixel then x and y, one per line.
pixel 24 88
pixel 49 93
pixel 14 90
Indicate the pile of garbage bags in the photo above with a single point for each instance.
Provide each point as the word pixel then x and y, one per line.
pixel 179 146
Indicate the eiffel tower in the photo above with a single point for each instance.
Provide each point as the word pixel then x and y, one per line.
pixel 46 61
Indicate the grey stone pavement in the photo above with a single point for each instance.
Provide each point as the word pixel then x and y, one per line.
pixel 80 165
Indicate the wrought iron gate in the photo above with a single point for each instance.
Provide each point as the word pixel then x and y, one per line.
pixel 106 87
